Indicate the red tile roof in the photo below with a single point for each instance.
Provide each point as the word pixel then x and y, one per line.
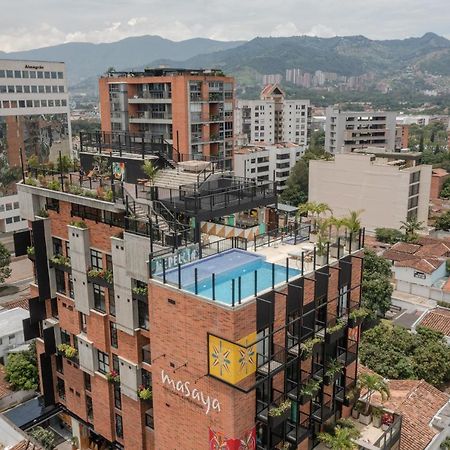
pixel 437 319
pixel 440 173
pixel 418 403
pixel 425 255
pixel 425 265
pixel 19 303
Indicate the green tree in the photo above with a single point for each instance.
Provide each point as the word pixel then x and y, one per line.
pixel 411 227
pixel 445 191
pixel 376 284
pixel 353 222
pixel 443 222
pixel 21 369
pixel 64 164
pixel 5 261
pixel 395 353
pixel 45 437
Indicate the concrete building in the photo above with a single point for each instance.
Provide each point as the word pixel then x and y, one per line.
pixel 190 109
pixel 267 162
pixel 11 330
pixel 346 131
pixel 386 188
pixel 401 137
pixel 154 337
pixel 273 119
pixel 10 219
pixel 34 110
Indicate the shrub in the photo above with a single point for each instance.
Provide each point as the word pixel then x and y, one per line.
pixel 68 351
pixel 54 185
pixel 144 393
pixel 21 369
pixel 388 235
pixel 79 223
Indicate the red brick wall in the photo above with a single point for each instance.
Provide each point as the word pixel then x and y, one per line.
pixel 102 401
pixel 98 330
pixel 182 337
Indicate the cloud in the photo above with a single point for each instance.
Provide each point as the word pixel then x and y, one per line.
pixel 55 22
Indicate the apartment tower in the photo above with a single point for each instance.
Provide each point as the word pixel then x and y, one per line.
pixel 190 109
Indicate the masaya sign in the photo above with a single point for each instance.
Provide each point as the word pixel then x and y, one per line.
pixel 184 388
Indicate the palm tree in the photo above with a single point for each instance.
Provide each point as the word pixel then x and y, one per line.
pixel 316 209
pixel 341 439
pixel 411 227
pixel 338 224
pixel 372 383
pixel 150 170
pixel 353 222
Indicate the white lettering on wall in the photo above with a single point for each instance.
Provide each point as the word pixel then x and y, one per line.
pixel 183 387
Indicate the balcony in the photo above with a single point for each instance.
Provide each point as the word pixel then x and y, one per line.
pixel 151 117
pixel 151 97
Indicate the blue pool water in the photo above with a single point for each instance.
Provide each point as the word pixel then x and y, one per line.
pixel 229 266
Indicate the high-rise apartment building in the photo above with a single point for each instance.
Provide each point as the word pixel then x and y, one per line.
pixel 346 131
pixel 34 110
pixel 387 188
pixel 190 109
pixel 150 336
pixel 267 162
pixel 273 119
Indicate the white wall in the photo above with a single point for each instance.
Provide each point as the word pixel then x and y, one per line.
pixel 10 218
pixel 354 182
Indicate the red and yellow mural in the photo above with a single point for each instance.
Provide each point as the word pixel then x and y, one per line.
pixel 218 441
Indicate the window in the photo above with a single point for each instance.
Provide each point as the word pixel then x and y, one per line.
pixel 25 74
pixel 59 364
pixel 414 177
pixel 89 408
pixel 143 318
pixel 112 302
pixel 119 426
pixel 60 281
pixel 109 264
pixel 113 332
pixel 9 220
pixel 61 388
pixel 60 75
pixel 117 396
pixel 57 246
pixel 96 260
pixel 71 291
pixel 149 419
pixel 83 322
pixel 54 307
pixel 65 337
pixel 115 363
pixel 103 362
pixel 87 381
pixel 146 378
pixel 99 298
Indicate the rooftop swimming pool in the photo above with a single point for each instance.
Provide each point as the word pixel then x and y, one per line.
pixel 227 268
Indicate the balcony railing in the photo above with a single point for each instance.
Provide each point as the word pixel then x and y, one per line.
pixel 152 115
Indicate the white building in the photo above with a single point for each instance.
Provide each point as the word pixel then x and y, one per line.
pixel 10 219
pixel 346 131
pixel 11 330
pixel 272 119
pixel 34 110
pixel 267 162
pixel 387 190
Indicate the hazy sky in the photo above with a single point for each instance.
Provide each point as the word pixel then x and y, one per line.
pixel 37 23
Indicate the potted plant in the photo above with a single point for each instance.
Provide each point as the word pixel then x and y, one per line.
pixel 309 390
pixel 316 209
pixel 60 260
pixel 113 377
pixel 376 416
pixel 353 224
pixel 101 274
pixel 337 248
pixel 356 410
pixel 144 393
pixel 341 438
pixel 387 420
pixel 335 332
pixel 371 383
pixel 321 243
pixel 356 317
pixel 334 369
pixel 67 350
pixel 280 413
pixel 79 224
pixel 308 347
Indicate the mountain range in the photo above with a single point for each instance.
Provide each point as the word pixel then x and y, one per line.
pixel 86 60
pixel 418 57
